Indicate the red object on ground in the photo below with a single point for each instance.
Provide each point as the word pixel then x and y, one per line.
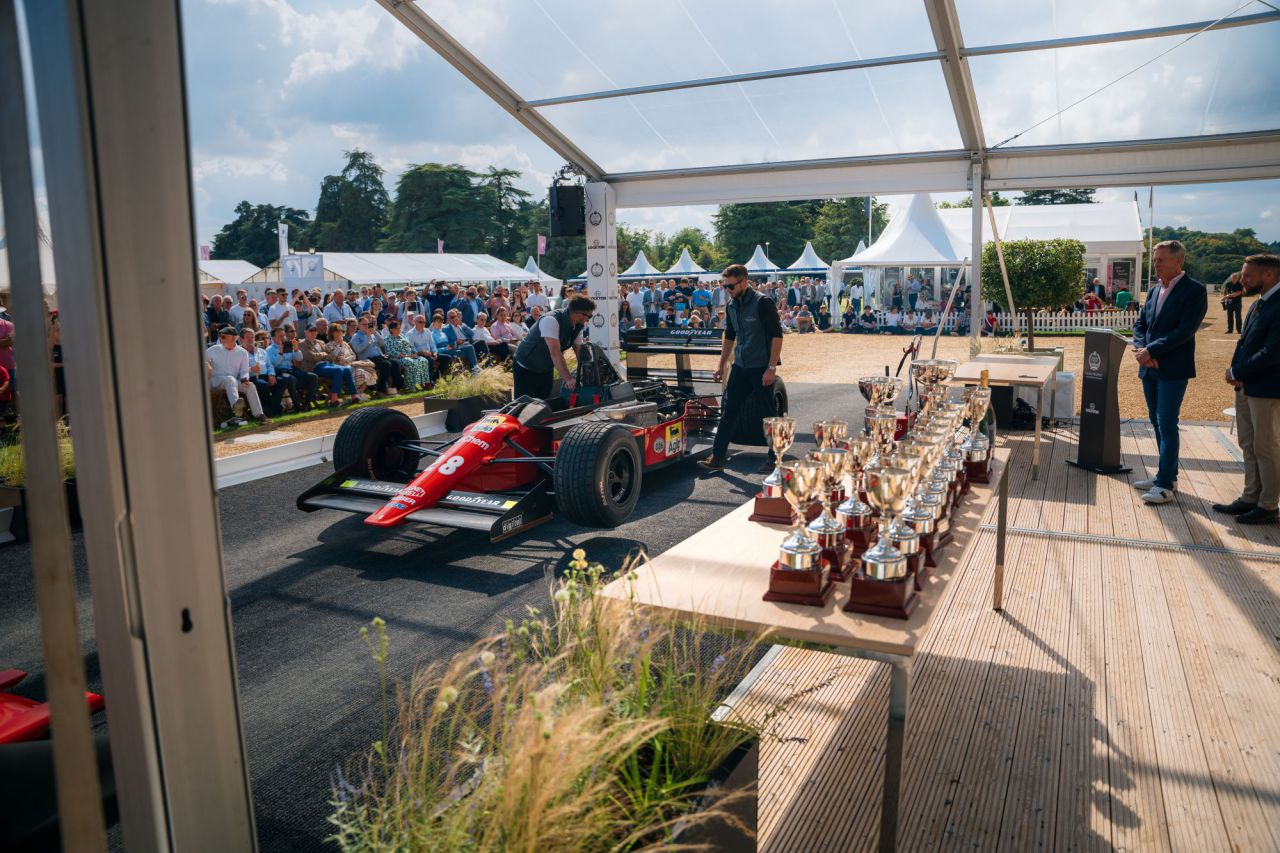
pixel 23 719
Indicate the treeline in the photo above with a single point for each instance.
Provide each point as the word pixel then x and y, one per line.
pixel 1213 256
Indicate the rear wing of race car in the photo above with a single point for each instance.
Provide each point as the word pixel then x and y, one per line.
pixel 683 343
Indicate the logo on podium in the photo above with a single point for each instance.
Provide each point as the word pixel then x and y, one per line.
pixel 1095 361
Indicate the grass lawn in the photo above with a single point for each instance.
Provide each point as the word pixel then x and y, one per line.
pixel 323 412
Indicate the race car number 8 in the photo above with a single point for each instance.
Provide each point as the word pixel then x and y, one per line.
pixel 450 465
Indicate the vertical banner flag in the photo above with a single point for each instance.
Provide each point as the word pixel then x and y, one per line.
pixel 204 253
pixel 542 244
pixel 439 246
pixel 283 231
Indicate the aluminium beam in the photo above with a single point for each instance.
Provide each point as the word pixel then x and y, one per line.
pixel 747 77
pixel 946 171
pixel 451 50
pixel 1184 160
pixel 955 71
pixel 1123 35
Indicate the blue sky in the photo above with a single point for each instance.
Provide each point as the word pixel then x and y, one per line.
pixel 278 89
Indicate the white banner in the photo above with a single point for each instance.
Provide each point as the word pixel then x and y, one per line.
pixel 283 231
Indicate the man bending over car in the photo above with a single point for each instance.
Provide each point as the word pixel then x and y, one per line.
pixel 541 353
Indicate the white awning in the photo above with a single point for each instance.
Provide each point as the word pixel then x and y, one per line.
pixel 915 237
pixel 1105 228
pixel 808 262
pixel 760 262
pixel 685 266
pixel 403 268
pixel 229 272
pixel 534 271
pixel 640 269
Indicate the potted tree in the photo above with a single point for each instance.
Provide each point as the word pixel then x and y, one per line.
pixel 1044 275
pixel 464 396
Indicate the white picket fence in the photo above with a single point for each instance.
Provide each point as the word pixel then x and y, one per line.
pixel 1049 324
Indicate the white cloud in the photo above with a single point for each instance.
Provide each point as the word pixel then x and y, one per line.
pixel 271 168
pixel 1266 214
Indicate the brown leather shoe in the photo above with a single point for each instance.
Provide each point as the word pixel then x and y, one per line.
pixel 711 464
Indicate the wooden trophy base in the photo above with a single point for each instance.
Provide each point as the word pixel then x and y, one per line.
pixel 838 563
pixel 777 511
pixel 979 472
pixel 895 599
pixel 859 539
pixel 926 548
pixel 811 587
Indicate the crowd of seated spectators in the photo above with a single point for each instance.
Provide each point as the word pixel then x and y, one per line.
pixel 302 350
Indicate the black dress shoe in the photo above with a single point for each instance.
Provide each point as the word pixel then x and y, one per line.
pixel 1257 515
pixel 1236 507
pixel 711 464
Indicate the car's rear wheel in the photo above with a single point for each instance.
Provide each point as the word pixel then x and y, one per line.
pixel 367 439
pixel 598 472
pixel 750 427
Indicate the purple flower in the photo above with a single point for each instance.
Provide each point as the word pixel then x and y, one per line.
pixel 486 681
pixel 719 662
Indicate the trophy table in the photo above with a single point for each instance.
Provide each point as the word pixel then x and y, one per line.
pixel 799 576
pixel 884 586
pixel 770 505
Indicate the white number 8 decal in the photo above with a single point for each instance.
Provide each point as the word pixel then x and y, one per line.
pixel 450 465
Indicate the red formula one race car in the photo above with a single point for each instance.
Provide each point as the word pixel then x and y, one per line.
pixel 583 456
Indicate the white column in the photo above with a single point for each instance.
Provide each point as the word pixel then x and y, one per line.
pixel 602 267
pixel 975 261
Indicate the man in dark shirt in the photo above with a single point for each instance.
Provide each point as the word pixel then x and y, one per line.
pixel 753 341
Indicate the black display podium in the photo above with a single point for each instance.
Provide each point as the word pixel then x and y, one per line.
pixel 1099 448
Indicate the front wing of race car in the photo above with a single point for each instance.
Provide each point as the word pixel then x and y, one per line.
pixel 500 514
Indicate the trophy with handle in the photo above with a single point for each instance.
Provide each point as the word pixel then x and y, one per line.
pixel 826 528
pixel 798 576
pixel 884 586
pixel 771 505
pixel 858 516
pixel 977 447
pixel 832 433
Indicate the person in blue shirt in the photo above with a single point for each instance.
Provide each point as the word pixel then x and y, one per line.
pixel 468 306
pixel 367 345
pixel 263 375
pixel 461 334
pixel 439 299
pixel 701 298
pixel 286 363
pixel 448 350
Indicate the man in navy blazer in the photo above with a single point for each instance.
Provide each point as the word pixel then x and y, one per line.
pixel 1164 345
pixel 1255 374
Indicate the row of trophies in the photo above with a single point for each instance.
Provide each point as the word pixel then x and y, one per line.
pixel 894 489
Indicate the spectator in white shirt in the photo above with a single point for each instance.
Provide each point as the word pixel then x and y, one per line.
pixel 282 313
pixel 229 370
pixel 338 310
pixel 537 298
pixel 242 304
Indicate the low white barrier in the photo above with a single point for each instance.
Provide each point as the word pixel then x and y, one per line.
pixel 259 464
pixel 1047 324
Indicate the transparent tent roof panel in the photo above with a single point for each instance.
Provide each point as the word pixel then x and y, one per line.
pixel 890 110
pixel 1211 85
pixel 988 22
pixel 551 48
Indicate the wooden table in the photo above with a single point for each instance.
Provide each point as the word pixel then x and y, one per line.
pixel 1013 373
pixel 719 576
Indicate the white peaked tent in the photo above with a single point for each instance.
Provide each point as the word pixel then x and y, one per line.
pixel 641 269
pixel 760 262
pixel 534 271
pixel 808 262
pixel 685 266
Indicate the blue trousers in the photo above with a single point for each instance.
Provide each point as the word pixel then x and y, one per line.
pixel 1164 402
pixel 339 377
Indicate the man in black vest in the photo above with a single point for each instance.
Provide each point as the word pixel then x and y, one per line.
pixel 1164 345
pixel 753 338
pixel 1255 374
pixel 541 353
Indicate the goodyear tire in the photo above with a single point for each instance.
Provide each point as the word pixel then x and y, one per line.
pixel 597 474
pixel 750 427
pixel 365 440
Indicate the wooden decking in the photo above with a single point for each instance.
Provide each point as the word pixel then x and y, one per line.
pixel 1128 697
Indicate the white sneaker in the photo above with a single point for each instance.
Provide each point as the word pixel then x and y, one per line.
pixel 1158 495
pixel 1144 485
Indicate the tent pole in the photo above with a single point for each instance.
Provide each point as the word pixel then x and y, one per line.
pixel 975 260
pixel 1004 273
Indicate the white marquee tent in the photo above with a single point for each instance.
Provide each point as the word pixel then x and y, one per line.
pixel 760 263
pixel 685 265
pixel 224 276
pixel 531 267
pixel 404 268
pixel 808 263
pixel 641 269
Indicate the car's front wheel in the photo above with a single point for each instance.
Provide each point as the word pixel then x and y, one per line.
pixel 368 438
pixel 598 472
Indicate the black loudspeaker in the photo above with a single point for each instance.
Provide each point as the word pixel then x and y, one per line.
pixel 568 210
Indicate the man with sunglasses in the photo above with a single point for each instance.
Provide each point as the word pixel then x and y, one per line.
pixel 753 341
pixel 541 353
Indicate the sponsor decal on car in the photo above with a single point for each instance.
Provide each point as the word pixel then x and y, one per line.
pixel 479 442
pixel 512 523
pixel 371 486
pixel 413 491
pixel 487 424
pixel 487 501
pixel 659 444
pixel 675 438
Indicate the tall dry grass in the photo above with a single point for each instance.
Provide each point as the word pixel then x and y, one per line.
pixel 588 729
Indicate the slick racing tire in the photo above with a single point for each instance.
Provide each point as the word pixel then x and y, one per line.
pixel 365 440
pixel 597 474
pixel 750 427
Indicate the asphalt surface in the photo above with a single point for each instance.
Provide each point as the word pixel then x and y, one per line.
pixel 301 586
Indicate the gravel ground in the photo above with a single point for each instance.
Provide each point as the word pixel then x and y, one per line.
pixel 840 359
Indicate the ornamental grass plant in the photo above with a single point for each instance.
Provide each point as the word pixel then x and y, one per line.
pixel 458 384
pixel 13 464
pixel 586 729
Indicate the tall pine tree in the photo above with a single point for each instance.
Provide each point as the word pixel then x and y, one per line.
pixel 353 207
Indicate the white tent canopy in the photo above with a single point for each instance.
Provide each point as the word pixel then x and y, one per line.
pixel 808 262
pixel 404 268
pixel 760 262
pixel 531 267
pixel 1105 228
pixel 685 266
pixel 915 237
pixel 641 269
pixel 227 272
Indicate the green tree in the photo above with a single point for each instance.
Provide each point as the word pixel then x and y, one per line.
pixel 251 236
pixel 1213 256
pixel 508 202
pixel 631 242
pixel 1043 274
pixel 1057 197
pixel 784 225
pixel 667 249
pixel 441 202
pixel 841 223
pixel 352 210
pixel 997 200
